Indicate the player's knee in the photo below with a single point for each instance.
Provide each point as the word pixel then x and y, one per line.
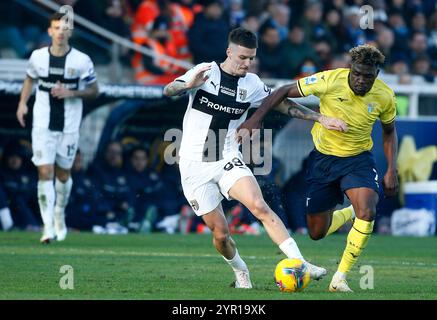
pixel 222 239
pixel 63 177
pixel 316 234
pixel 366 213
pixel 260 208
pixel 45 173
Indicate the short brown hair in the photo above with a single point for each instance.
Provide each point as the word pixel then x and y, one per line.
pixel 367 55
pixel 244 38
pixel 57 16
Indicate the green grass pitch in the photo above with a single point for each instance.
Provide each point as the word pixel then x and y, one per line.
pixel 180 267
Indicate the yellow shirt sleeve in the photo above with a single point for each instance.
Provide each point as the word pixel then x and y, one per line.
pixel 389 112
pixel 316 84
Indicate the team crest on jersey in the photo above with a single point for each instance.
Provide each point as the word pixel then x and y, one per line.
pixel 370 107
pixel 71 72
pixel 310 80
pixel 194 204
pixel 242 93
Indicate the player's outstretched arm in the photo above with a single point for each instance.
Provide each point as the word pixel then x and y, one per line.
pixel 390 144
pixel 178 87
pixel 299 111
pixel 22 109
pixel 273 100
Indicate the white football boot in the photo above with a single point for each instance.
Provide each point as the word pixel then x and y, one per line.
pixel 243 280
pixel 48 235
pixel 339 284
pixel 316 273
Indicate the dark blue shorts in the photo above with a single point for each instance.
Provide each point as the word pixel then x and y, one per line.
pixel 328 177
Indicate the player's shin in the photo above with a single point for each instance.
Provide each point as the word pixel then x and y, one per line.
pixel 63 190
pixel 339 218
pixel 46 200
pixel 356 241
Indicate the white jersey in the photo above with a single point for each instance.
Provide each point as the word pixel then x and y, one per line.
pixel 74 70
pixel 216 109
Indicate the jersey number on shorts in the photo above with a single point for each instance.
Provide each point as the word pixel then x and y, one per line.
pixel 70 149
pixel 376 178
pixel 233 163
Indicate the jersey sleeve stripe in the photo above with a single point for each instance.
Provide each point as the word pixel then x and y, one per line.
pixel 90 79
pixel 300 89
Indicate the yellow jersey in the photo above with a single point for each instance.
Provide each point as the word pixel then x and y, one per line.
pixel 359 112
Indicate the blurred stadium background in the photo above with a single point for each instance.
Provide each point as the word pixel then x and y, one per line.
pixel 121 182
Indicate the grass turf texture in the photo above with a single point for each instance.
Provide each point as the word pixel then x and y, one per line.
pixel 161 266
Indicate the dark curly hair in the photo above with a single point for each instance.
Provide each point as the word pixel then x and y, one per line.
pixel 367 55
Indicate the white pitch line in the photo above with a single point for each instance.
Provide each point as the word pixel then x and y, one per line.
pixel 191 255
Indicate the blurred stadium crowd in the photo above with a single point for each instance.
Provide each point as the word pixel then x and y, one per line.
pixel 130 188
pixel 297 38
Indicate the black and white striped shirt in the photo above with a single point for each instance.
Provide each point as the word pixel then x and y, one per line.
pixel 220 104
pixel 74 70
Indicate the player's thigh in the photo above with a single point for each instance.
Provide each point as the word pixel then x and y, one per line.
pixel 247 191
pixel 238 182
pixel 66 150
pixel 204 198
pixel 323 191
pixel 44 144
pixel 323 197
pixel 362 187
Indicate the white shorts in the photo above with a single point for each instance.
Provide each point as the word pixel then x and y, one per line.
pixel 205 184
pixel 52 146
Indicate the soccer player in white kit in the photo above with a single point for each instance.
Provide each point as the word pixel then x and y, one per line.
pixel 64 76
pixel 220 95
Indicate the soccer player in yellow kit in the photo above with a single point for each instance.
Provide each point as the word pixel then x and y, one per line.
pixel 341 161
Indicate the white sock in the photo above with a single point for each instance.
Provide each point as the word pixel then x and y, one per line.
pixel 236 263
pixel 63 191
pixel 6 218
pixel 291 250
pixel 339 275
pixel 46 200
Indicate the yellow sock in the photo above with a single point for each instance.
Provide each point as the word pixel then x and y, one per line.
pixel 339 218
pixel 356 241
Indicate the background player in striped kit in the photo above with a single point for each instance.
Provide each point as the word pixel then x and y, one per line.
pixel 64 77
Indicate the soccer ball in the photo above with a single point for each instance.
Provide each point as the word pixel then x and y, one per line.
pixel 291 275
